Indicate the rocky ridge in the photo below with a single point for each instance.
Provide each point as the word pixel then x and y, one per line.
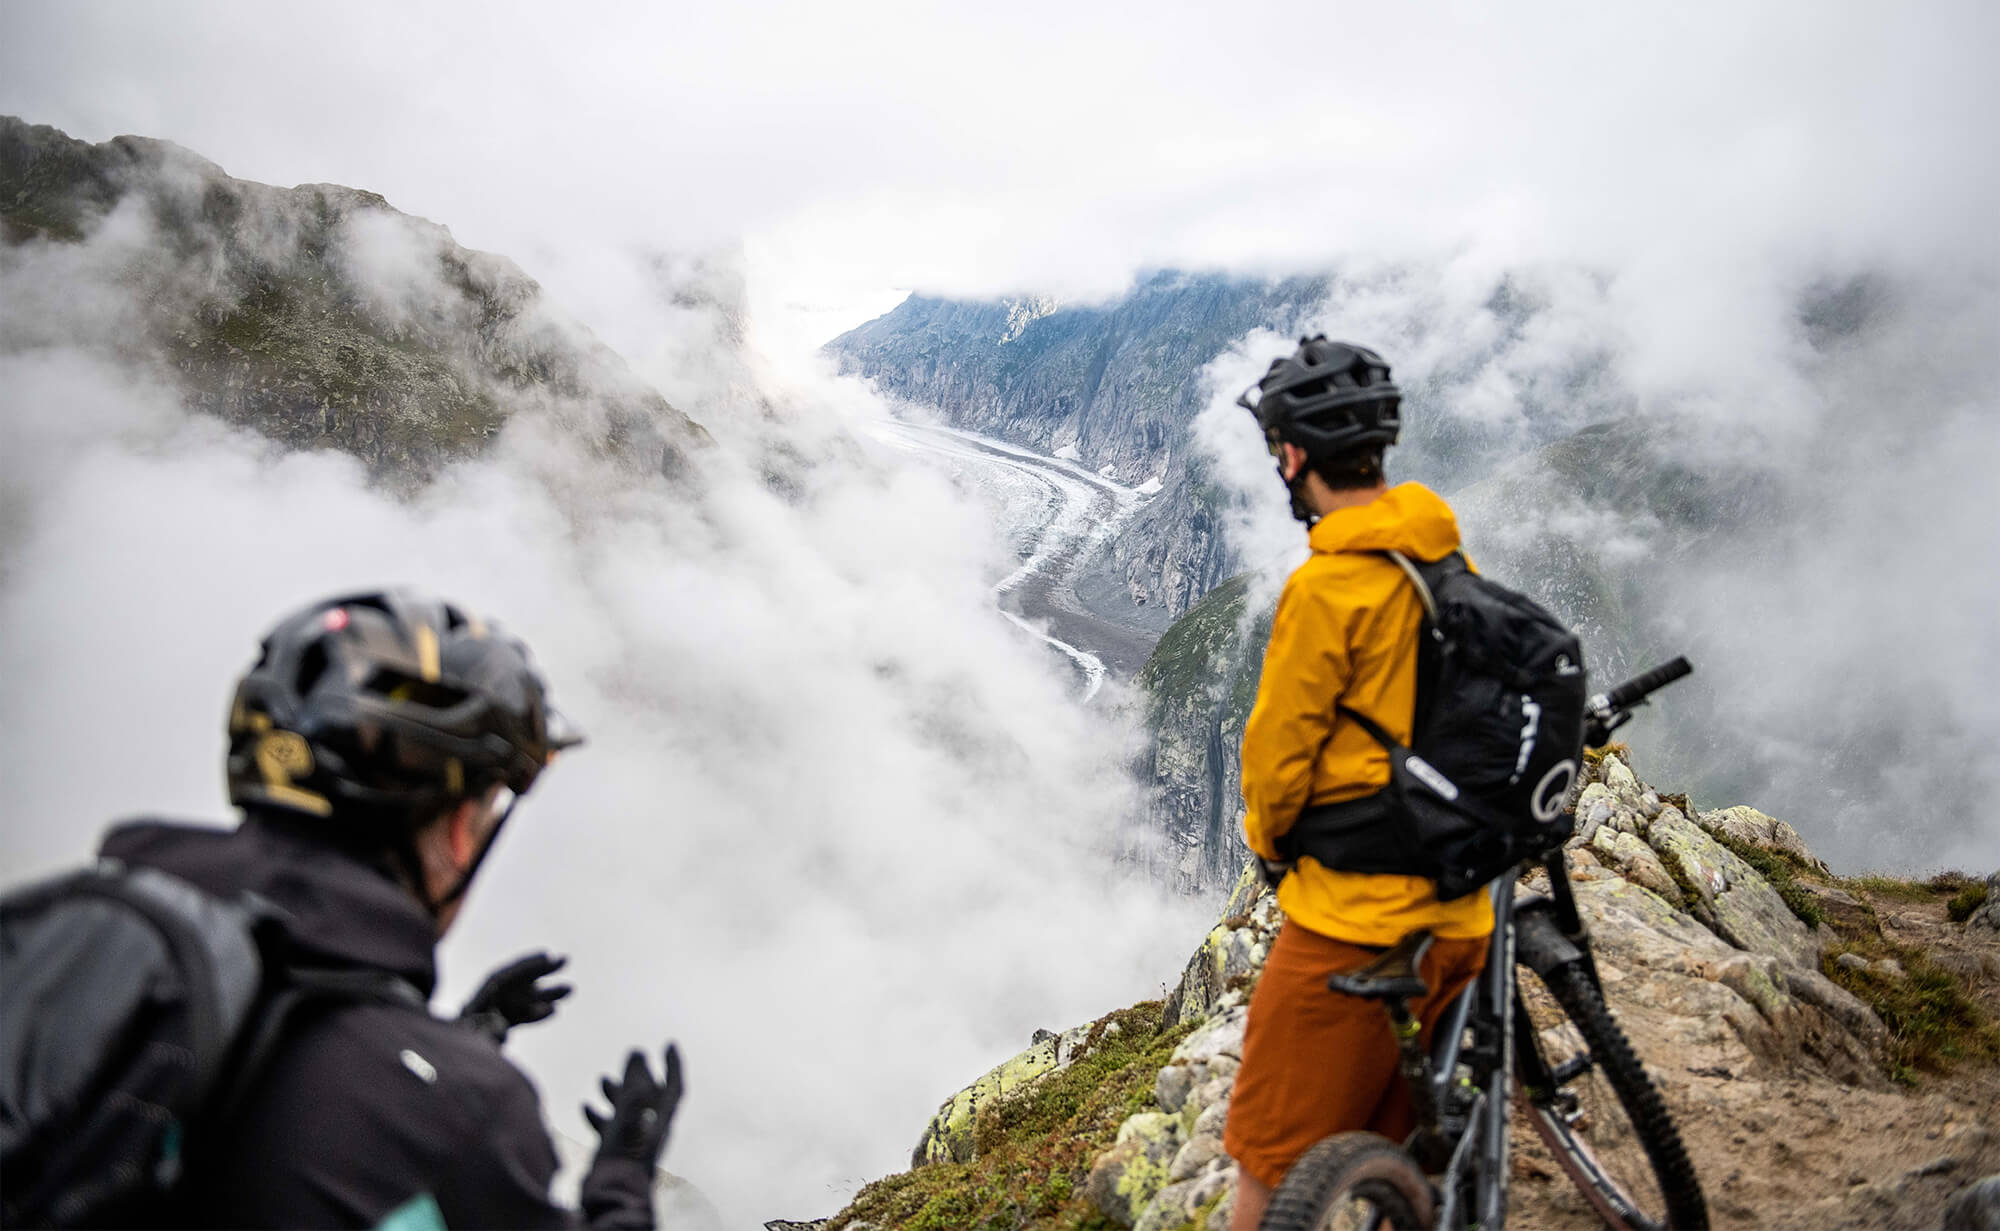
pixel 318 316
pixel 1737 964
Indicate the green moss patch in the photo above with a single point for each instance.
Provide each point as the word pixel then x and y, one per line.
pixel 1035 1150
pixel 1934 1023
pixel 1890 887
pixel 1964 902
pixel 1690 894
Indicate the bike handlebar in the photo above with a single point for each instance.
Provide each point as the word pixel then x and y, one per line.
pixel 1639 686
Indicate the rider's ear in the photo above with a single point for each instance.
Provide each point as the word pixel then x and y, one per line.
pixel 1294 461
pixel 462 830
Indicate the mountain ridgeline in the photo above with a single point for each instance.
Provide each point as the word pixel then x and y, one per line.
pixel 318 315
pixel 1113 385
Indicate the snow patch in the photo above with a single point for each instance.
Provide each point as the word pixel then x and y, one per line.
pixel 1069 453
pixel 1151 487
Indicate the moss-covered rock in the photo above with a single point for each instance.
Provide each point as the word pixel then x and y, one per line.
pixel 1125 1178
pixel 1224 967
pixel 319 316
pixel 951 1135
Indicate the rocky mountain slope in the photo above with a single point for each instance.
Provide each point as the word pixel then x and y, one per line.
pixel 1113 385
pixel 1827 1046
pixel 316 315
pixel 1487 373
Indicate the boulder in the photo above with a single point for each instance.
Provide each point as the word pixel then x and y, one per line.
pixel 949 1135
pixel 1620 780
pixel 1987 917
pixel 1177 1204
pixel 1976 1207
pixel 1754 828
pixel 1221 970
pixel 1844 913
pixel 1125 1178
pixel 1632 858
pixel 1737 903
pixel 1594 808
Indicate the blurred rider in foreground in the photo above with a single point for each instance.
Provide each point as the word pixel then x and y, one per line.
pixel 376 748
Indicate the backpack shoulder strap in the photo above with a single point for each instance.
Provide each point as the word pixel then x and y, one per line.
pixel 296 989
pixel 1426 576
pixel 1415 572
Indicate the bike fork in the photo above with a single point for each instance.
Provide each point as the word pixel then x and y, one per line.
pixel 1499 979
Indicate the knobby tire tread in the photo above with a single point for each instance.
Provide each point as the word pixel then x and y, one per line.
pixel 1361 1164
pixel 1573 989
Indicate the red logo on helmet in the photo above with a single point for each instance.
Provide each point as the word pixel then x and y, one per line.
pixel 336 619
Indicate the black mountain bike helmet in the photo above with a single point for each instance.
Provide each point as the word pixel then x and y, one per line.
pixel 1327 398
pixel 381 710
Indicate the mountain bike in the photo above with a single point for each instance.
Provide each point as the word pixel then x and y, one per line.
pixel 1547 1047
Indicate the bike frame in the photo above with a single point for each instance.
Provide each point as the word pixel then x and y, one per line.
pixel 1471 1117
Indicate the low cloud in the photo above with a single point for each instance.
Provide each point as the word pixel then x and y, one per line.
pixel 839 828
pixel 1804 515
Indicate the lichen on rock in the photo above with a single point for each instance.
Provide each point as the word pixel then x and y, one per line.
pixel 949 1136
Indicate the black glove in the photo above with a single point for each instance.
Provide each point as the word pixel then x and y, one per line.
pixel 513 996
pixel 641 1111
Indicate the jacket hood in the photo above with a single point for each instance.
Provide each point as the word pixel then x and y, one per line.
pixel 339 910
pixel 1409 518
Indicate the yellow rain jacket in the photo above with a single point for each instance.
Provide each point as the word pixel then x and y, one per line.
pixel 1346 632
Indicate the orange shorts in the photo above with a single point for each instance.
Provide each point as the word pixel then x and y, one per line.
pixel 1317 1063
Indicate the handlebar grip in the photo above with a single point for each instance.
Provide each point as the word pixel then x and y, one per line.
pixel 1638 687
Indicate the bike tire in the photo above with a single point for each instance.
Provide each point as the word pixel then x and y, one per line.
pixel 1611 1054
pixel 1351 1171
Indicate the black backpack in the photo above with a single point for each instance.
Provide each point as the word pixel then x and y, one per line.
pixel 137 1009
pixel 1498 735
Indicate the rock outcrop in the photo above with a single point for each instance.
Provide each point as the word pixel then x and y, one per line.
pixel 1714 974
pixel 317 315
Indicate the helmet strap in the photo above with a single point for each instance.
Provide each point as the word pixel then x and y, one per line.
pixel 1301 511
pixel 464 881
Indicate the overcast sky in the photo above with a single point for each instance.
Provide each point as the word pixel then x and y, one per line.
pixel 1687 169
pixel 858 150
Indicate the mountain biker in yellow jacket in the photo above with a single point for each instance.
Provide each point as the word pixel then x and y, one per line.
pixel 1345 632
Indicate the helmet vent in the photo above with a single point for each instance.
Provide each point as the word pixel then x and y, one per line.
pixel 401 686
pixel 312 665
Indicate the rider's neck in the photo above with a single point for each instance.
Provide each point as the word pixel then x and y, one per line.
pixel 1322 499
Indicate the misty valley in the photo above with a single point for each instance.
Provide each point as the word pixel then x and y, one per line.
pixel 916 677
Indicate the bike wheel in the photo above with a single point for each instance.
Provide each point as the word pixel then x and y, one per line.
pixel 1351 1182
pixel 1604 1121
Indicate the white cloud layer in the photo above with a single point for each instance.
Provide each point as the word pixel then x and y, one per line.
pixel 1057 147
pixel 1807 519
pixel 839 828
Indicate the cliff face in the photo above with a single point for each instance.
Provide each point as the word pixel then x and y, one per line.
pixel 1199 686
pixel 316 315
pixel 1113 385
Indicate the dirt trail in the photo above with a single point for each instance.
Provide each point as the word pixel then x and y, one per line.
pixel 1795 1150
